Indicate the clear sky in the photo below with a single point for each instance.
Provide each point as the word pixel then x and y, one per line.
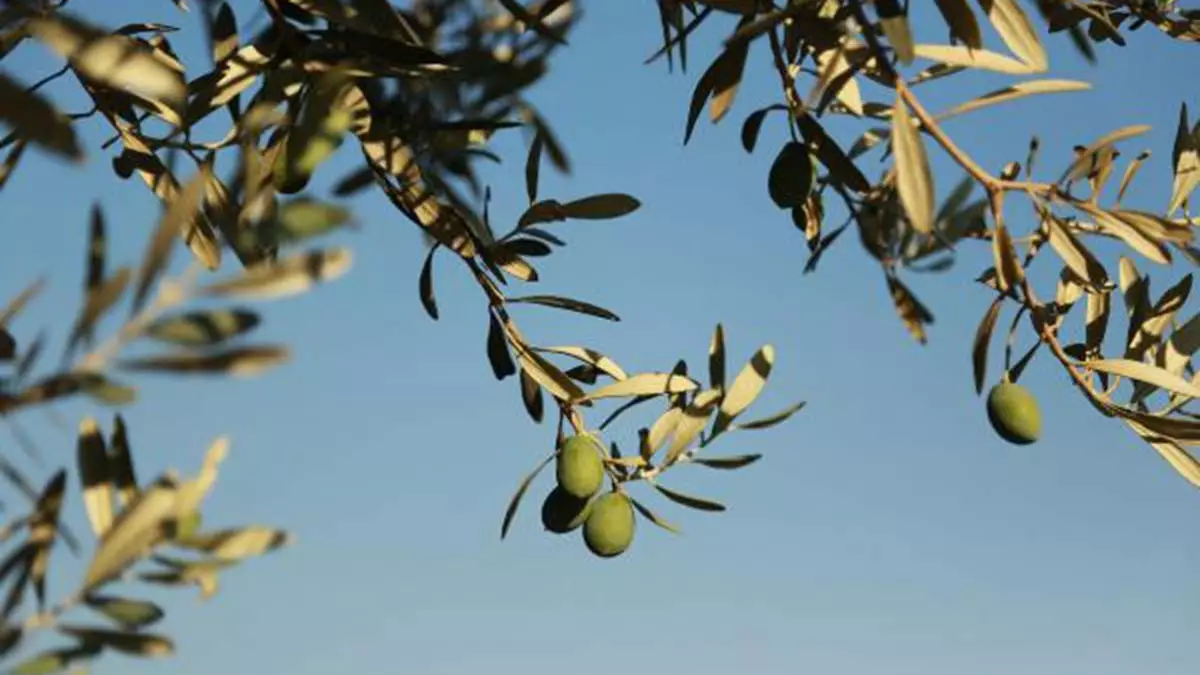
pixel 887 530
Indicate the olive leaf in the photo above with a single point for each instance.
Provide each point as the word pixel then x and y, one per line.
pixel 914 178
pixel 515 502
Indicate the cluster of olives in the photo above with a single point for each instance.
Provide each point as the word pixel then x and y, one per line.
pixel 607 518
pixel 1014 414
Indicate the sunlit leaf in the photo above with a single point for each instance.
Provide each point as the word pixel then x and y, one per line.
pixel 139 527
pixel 644 384
pixel 914 178
pixel 243 361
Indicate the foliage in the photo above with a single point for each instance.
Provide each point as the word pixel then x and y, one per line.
pixel 417 93
pixel 844 51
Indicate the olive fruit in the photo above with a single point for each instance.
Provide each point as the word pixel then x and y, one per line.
pixel 1014 414
pixel 562 513
pixel 580 470
pixel 609 527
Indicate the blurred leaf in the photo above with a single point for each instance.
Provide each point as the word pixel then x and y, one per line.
pixel 52 661
pixel 18 304
pixel 914 314
pixel 133 644
pixel 236 361
pixel 8 346
pixel 38 120
pixel 289 276
pixel 239 543
pixel 94 476
pixel 114 60
pixel 137 529
pixel 129 614
pixel 716 358
pixel 203 328
pixel 97 302
pixel 43 528
pixel 689 501
pixel 303 218
pixel 515 502
pixel 120 462
pixel 532 21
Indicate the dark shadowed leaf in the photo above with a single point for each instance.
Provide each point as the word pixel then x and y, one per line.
pixel 689 501
pixel 771 420
pixel 601 206
pixel 133 644
pixel 425 285
pixel 94 476
pixel 497 350
pixel 515 502
pixel 531 396
pixel 727 463
pixel 983 336
pixel 566 303
pixel 533 165
pixel 654 517
pixel 716 358
pixel 120 462
pixel 176 219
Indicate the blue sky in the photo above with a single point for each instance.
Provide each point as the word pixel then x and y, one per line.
pixel 887 530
